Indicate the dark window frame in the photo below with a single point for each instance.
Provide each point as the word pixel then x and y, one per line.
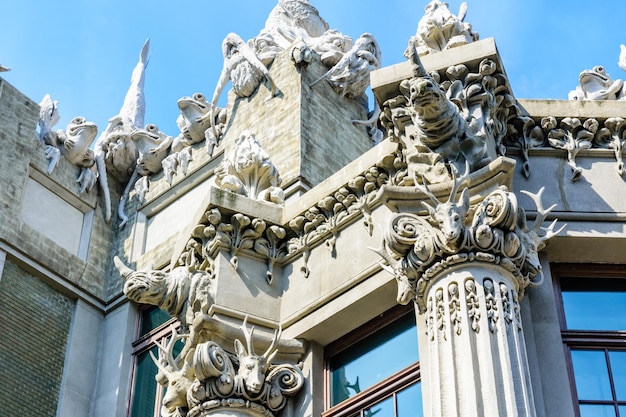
pixel 597 340
pixel 142 344
pixel 382 390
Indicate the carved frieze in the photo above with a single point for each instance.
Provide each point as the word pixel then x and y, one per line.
pixel 570 134
pixel 235 232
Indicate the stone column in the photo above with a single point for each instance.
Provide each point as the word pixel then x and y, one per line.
pixel 477 356
pixel 466 267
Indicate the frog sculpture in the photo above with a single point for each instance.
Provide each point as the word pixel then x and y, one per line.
pixel 597 84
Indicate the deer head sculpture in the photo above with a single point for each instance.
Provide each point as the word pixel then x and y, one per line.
pixel 177 377
pixel 253 367
pixel 450 216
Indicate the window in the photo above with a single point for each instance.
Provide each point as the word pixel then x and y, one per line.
pixel 155 325
pixel 375 369
pixel 593 327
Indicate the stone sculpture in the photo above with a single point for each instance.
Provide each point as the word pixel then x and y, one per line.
pixel 208 377
pixel 152 147
pixel 350 76
pixel 48 118
pixel 247 170
pixel 440 133
pixel 439 29
pixel 73 143
pixel 597 84
pixel 203 374
pixel 243 68
pixel 115 152
pixel 417 247
pixel 183 292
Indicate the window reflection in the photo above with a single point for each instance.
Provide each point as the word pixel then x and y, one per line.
pixel 593 331
pixel 594 304
pixel 373 359
pixel 374 370
pixel 596 410
pixel 409 401
pixel 592 376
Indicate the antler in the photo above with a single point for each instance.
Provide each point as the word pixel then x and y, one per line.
pixel 248 335
pixel 272 350
pixel 457 181
pixel 392 263
pixel 541 212
pixel 168 351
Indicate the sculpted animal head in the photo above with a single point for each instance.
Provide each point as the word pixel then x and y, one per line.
pixel 145 287
pixel 80 134
pixel 253 367
pixel 450 216
pixel 174 376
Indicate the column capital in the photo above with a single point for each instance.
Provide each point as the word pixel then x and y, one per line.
pixel 489 229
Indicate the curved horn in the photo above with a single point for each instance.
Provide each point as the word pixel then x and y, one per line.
pixel 122 268
pixel 418 68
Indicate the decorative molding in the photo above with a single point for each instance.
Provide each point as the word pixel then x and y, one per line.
pixel 571 134
pixel 205 376
pixel 473 304
pixel 419 247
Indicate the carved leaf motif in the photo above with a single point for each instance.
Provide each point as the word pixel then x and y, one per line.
pixel 473 304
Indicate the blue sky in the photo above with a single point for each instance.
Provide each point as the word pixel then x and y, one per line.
pixel 82 52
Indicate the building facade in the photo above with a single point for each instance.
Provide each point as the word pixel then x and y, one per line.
pixel 453 252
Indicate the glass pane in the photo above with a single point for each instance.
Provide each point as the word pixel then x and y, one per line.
pixel 373 359
pixel 410 401
pixel 622 411
pixel 591 374
pixel 153 318
pixel 144 391
pixel 382 409
pixel 618 369
pixel 593 304
pixel 597 410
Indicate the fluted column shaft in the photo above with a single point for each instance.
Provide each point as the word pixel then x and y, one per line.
pixel 477 363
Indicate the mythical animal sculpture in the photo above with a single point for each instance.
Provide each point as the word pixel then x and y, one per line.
pixel 152 147
pixel 350 77
pixel 182 292
pixel 243 68
pixel 439 29
pixel 115 152
pixel 289 20
pixel 442 135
